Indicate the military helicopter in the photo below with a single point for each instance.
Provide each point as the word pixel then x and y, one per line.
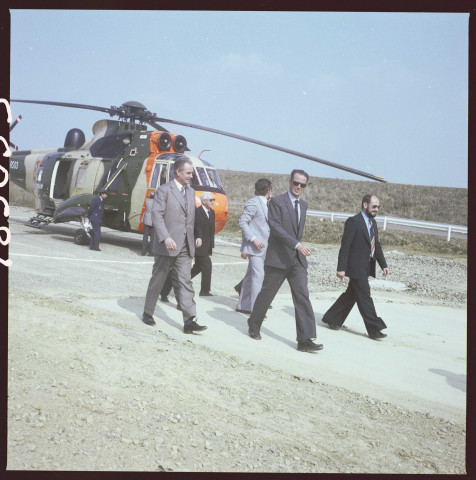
pixel 124 159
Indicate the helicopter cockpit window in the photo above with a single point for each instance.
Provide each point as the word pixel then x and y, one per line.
pixel 159 176
pixel 214 179
pixel 194 180
pixel 109 146
pixel 202 175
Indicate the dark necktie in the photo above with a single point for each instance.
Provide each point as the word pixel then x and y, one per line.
pixel 296 209
pixel 372 238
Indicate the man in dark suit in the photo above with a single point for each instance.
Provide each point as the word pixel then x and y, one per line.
pixel 286 260
pixel 205 224
pixel 206 217
pixel 95 213
pixel 173 219
pixel 359 251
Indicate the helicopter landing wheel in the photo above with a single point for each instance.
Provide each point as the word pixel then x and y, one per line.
pixel 80 237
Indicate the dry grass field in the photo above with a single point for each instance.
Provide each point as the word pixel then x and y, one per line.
pixel 417 202
pixel 437 204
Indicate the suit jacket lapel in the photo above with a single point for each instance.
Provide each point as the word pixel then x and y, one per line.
pixel 292 212
pixel 364 228
pixel 265 211
pixel 178 195
pixel 303 206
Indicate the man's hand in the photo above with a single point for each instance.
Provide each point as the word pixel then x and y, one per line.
pixel 341 275
pixel 198 242
pixel 244 256
pixel 385 271
pixel 258 243
pixel 304 249
pixel 170 244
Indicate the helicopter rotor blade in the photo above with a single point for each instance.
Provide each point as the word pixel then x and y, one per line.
pixel 72 105
pixel 139 113
pixel 276 147
pixel 157 126
pixel 15 123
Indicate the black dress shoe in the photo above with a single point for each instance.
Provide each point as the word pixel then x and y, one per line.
pixel 164 298
pixel 246 312
pixel 193 327
pixel 237 288
pixel 309 346
pixel 147 319
pixel 331 325
pixel 254 336
pixel 205 294
pixel 95 249
pixel 376 335
pixel 179 308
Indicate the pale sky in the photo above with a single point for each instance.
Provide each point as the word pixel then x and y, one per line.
pixel 386 93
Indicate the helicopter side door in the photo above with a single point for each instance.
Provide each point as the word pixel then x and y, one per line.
pixel 60 180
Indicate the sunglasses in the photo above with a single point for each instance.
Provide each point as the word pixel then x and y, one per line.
pixel 297 184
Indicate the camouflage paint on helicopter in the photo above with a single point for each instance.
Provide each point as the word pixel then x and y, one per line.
pixel 122 158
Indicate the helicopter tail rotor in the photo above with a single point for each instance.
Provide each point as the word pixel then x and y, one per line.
pixel 12 126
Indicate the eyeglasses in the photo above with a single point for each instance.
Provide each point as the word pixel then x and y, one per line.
pixel 211 200
pixel 297 184
pixel 374 207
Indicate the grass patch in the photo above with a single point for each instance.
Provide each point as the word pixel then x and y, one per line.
pixel 417 202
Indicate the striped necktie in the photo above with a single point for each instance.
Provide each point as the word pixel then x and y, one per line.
pixel 184 195
pixel 372 239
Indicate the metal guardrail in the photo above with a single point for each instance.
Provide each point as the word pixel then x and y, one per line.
pixel 384 221
pixel 396 221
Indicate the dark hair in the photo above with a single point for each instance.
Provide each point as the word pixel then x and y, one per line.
pixel 366 199
pixel 262 186
pixel 179 163
pixel 299 172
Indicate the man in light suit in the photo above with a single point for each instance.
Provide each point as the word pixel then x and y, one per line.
pixel 254 227
pixel 95 213
pixel 173 219
pixel 359 251
pixel 286 260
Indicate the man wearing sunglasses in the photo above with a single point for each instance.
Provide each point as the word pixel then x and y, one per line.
pixel 360 250
pixel 286 260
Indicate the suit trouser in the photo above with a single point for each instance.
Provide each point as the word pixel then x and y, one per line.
pixel 296 275
pixel 182 264
pixel 358 291
pixel 171 281
pixel 203 264
pixel 148 230
pixel 95 235
pixel 251 283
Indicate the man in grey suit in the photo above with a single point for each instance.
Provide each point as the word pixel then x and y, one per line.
pixel 286 260
pixel 173 219
pixel 254 227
